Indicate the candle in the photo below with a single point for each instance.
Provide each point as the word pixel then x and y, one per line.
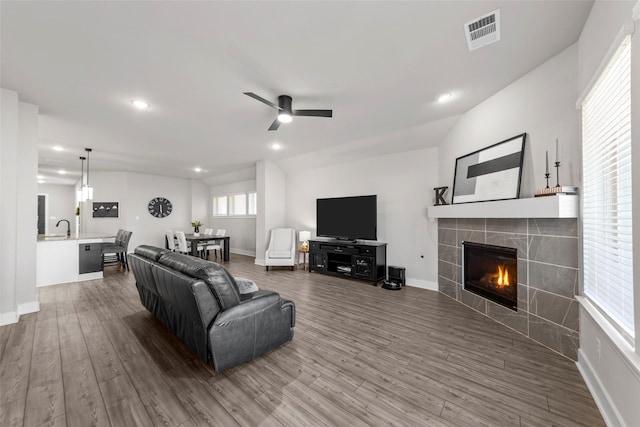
pixel 557 151
pixel 547 153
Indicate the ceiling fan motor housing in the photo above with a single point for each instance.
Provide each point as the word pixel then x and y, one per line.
pixel 284 102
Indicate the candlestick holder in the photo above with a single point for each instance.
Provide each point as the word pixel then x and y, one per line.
pixel 557 166
pixel 546 176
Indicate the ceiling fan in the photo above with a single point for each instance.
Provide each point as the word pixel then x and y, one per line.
pixel 285 112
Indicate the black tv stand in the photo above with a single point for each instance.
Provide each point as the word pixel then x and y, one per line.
pixel 358 260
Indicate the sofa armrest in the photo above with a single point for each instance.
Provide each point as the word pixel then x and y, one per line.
pixel 247 330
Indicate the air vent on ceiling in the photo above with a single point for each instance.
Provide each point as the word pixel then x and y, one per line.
pixel 483 30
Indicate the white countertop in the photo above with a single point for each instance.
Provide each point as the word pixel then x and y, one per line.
pixel 74 236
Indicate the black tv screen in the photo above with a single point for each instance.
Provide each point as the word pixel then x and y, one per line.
pixel 347 217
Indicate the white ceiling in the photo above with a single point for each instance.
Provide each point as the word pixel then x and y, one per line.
pixel 378 65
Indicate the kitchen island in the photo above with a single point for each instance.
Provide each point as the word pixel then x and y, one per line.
pixel 74 258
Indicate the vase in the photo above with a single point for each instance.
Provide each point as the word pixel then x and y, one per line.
pixel 196 230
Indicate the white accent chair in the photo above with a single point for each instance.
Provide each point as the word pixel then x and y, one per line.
pixel 282 248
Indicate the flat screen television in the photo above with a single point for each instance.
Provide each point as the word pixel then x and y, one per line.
pixel 347 217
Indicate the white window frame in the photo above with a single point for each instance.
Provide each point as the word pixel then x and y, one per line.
pixel 249 195
pixel 236 208
pixel 216 202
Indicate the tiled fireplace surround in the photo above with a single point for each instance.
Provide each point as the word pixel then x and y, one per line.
pixel 547 274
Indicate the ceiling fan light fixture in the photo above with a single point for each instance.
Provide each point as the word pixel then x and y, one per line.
pixel 284 118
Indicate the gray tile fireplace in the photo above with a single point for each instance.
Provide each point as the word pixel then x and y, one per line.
pixel 547 274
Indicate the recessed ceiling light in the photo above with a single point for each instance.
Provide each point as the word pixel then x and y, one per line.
pixel 58 148
pixel 444 97
pixel 197 169
pixel 40 177
pixel 61 172
pixel 139 104
pixel 276 146
pixel 40 181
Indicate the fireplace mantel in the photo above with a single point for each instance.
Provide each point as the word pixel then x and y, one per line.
pixel 558 206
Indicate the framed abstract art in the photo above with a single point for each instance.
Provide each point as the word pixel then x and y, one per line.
pixel 493 173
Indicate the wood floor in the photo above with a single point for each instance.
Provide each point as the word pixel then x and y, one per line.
pixel 361 355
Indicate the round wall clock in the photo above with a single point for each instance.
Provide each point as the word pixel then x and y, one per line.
pixel 160 207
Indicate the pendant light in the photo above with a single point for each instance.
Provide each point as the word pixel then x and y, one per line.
pixel 80 193
pixel 87 190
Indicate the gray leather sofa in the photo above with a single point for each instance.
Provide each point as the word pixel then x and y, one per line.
pixel 199 301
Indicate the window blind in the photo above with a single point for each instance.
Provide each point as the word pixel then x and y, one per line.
pixel 606 163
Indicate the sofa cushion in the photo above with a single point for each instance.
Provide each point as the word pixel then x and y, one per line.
pixel 280 254
pixel 150 252
pixel 221 283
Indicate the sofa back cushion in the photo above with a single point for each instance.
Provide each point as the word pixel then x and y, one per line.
pixel 221 283
pixel 150 252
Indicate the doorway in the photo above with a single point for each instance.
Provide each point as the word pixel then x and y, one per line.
pixel 42 214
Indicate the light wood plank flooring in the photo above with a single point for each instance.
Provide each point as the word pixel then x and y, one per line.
pixel 361 355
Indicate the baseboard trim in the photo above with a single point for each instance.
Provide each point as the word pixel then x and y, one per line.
pixel 422 284
pixel 242 252
pixel 9 318
pixel 28 307
pixel 600 395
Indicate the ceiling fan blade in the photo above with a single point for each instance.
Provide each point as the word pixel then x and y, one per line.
pixel 314 113
pixel 261 99
pixel 275 125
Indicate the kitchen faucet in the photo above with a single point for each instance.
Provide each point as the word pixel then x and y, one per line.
pixel 68 226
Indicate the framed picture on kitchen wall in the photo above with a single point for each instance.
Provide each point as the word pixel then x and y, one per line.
pixel 105 209
pixel 493 173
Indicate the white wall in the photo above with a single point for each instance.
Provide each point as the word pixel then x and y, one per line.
pixel 133 191
pixel 200 201
pixel 241 229
pixel 404 185
pixel 18 209
pixel 271 194
pixel 607 361
pixel 542 104
pixel 61 204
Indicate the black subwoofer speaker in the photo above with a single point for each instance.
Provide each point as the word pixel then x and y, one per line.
pixel 396 274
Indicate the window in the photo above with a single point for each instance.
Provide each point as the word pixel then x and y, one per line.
pixel 606 162
pixel 252 203
pixel 220 206
pixel 242 204
pixel 238 204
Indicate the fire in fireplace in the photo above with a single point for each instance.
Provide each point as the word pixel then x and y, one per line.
pixel 491 272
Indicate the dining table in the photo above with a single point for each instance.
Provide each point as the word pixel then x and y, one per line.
pixel 200 237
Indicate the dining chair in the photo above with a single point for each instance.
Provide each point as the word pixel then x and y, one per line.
pixel 202 247
pixel 182 246
pixel 220 232
pixel 116 253
pixel 217 243
pixel 171 240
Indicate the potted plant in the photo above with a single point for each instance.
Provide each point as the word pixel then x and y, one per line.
pixel 196 227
